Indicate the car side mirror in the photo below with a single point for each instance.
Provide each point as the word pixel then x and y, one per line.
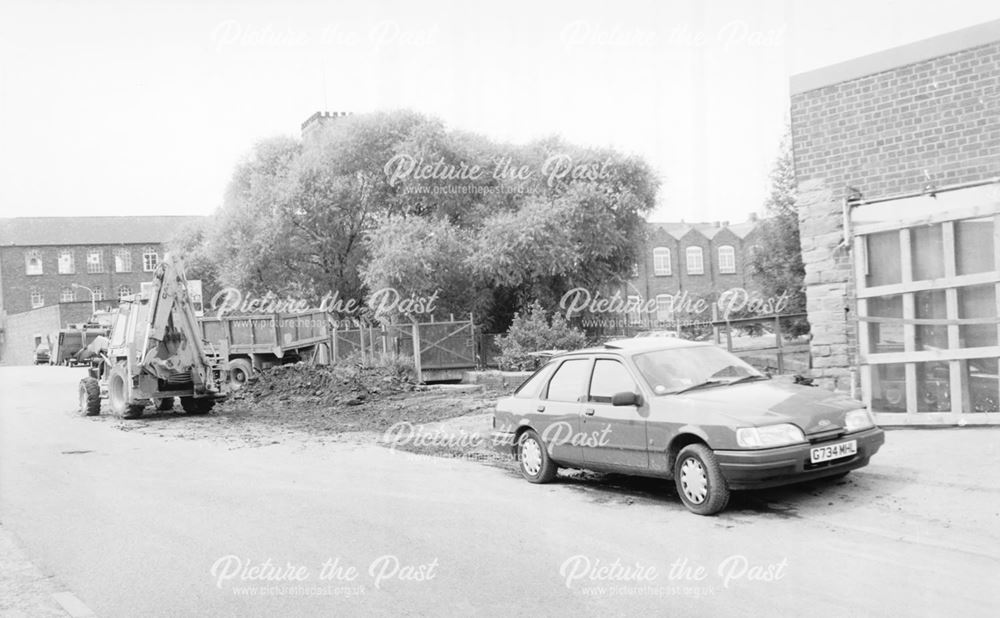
pixel 625 398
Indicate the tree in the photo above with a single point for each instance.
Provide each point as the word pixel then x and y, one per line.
pixel 776 262
pixel 396 200
pixel 190 243
pixel 250 240
pixel 533 331
pixel 422 258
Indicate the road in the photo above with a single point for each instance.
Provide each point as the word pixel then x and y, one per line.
pixel 134 524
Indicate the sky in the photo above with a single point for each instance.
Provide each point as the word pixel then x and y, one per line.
pixel 144 108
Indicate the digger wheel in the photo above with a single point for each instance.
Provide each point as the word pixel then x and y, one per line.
pixel 90 397
pixel 165 404
pixel 197 406
pixel 119 395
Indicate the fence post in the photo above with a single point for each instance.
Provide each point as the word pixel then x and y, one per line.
pixel 361 342
pixel 715 327
pixel 416 351
pixel 777 339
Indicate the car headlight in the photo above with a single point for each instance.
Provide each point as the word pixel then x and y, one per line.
pixel 769 435
pixel 856 420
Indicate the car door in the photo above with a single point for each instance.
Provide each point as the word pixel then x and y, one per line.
pixel 557 416
pixel 614 437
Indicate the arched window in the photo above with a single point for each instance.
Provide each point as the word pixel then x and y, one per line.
pixel 727 259
pixel 36 298
pixel 149 259
pixel 695 261
pixel 33 263
pixel 95 261
pixel 661 261
pixel 123 260
pixel 65 264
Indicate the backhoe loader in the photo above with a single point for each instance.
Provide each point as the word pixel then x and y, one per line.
pixel 155 353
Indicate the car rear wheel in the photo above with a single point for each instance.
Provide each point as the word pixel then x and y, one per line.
pixel 533 460
pixel 699 480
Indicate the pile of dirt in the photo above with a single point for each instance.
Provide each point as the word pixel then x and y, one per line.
pixel 336 385
pixel 303 403
pixel 326 400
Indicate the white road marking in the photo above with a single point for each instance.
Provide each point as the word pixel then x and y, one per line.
pixel 72 605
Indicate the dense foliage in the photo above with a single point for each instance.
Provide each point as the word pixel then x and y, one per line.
pixel 395 200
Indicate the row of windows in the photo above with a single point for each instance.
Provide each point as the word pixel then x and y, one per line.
pixel 694 260
pixel 68 295
pixel 65 264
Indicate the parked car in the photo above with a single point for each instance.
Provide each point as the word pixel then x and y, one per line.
pixel 681 410
pixel 43 355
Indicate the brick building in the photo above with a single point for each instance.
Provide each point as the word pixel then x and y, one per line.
pixel 897 159
pixel 43 259
pixel 688 260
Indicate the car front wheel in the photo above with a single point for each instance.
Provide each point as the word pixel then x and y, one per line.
pixel 533 460
pixel 699 480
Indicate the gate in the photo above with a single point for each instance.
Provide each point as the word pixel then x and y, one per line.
pixel 440 350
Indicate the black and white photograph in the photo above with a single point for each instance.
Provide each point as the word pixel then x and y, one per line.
pixel 443 308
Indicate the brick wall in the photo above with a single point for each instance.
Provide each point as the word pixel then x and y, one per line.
pixel 17 284
pixel 937 112
pixel 706 285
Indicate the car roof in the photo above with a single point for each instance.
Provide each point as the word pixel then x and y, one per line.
pixel 643 344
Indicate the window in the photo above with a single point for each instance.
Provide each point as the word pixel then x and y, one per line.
pixel 661 261
pixel 33 263
pixel 727 259
pixel 928 299
pixel 66 265
pixel 664 308
pixel 978 302
pixel 124 291
pixel 695 261
pixel 95 261
pixel 98 293
pixel 927 252
pixel 610 377
pixel 568 381
pixel 883 263
pixel 974 246
pixel 36 298
pixel 635 270
pixel 534 384
pixel 67 295
pixel 149 259
pixel 123 261
pixel 633 308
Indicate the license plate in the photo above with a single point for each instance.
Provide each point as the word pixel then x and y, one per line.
pixel 833 451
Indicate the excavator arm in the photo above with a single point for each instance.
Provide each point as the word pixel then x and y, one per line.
pixel 173 343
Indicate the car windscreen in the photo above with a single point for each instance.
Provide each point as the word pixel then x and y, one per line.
pixel 671 371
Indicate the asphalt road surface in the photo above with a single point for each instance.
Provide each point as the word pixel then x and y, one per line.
pixel 127 524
